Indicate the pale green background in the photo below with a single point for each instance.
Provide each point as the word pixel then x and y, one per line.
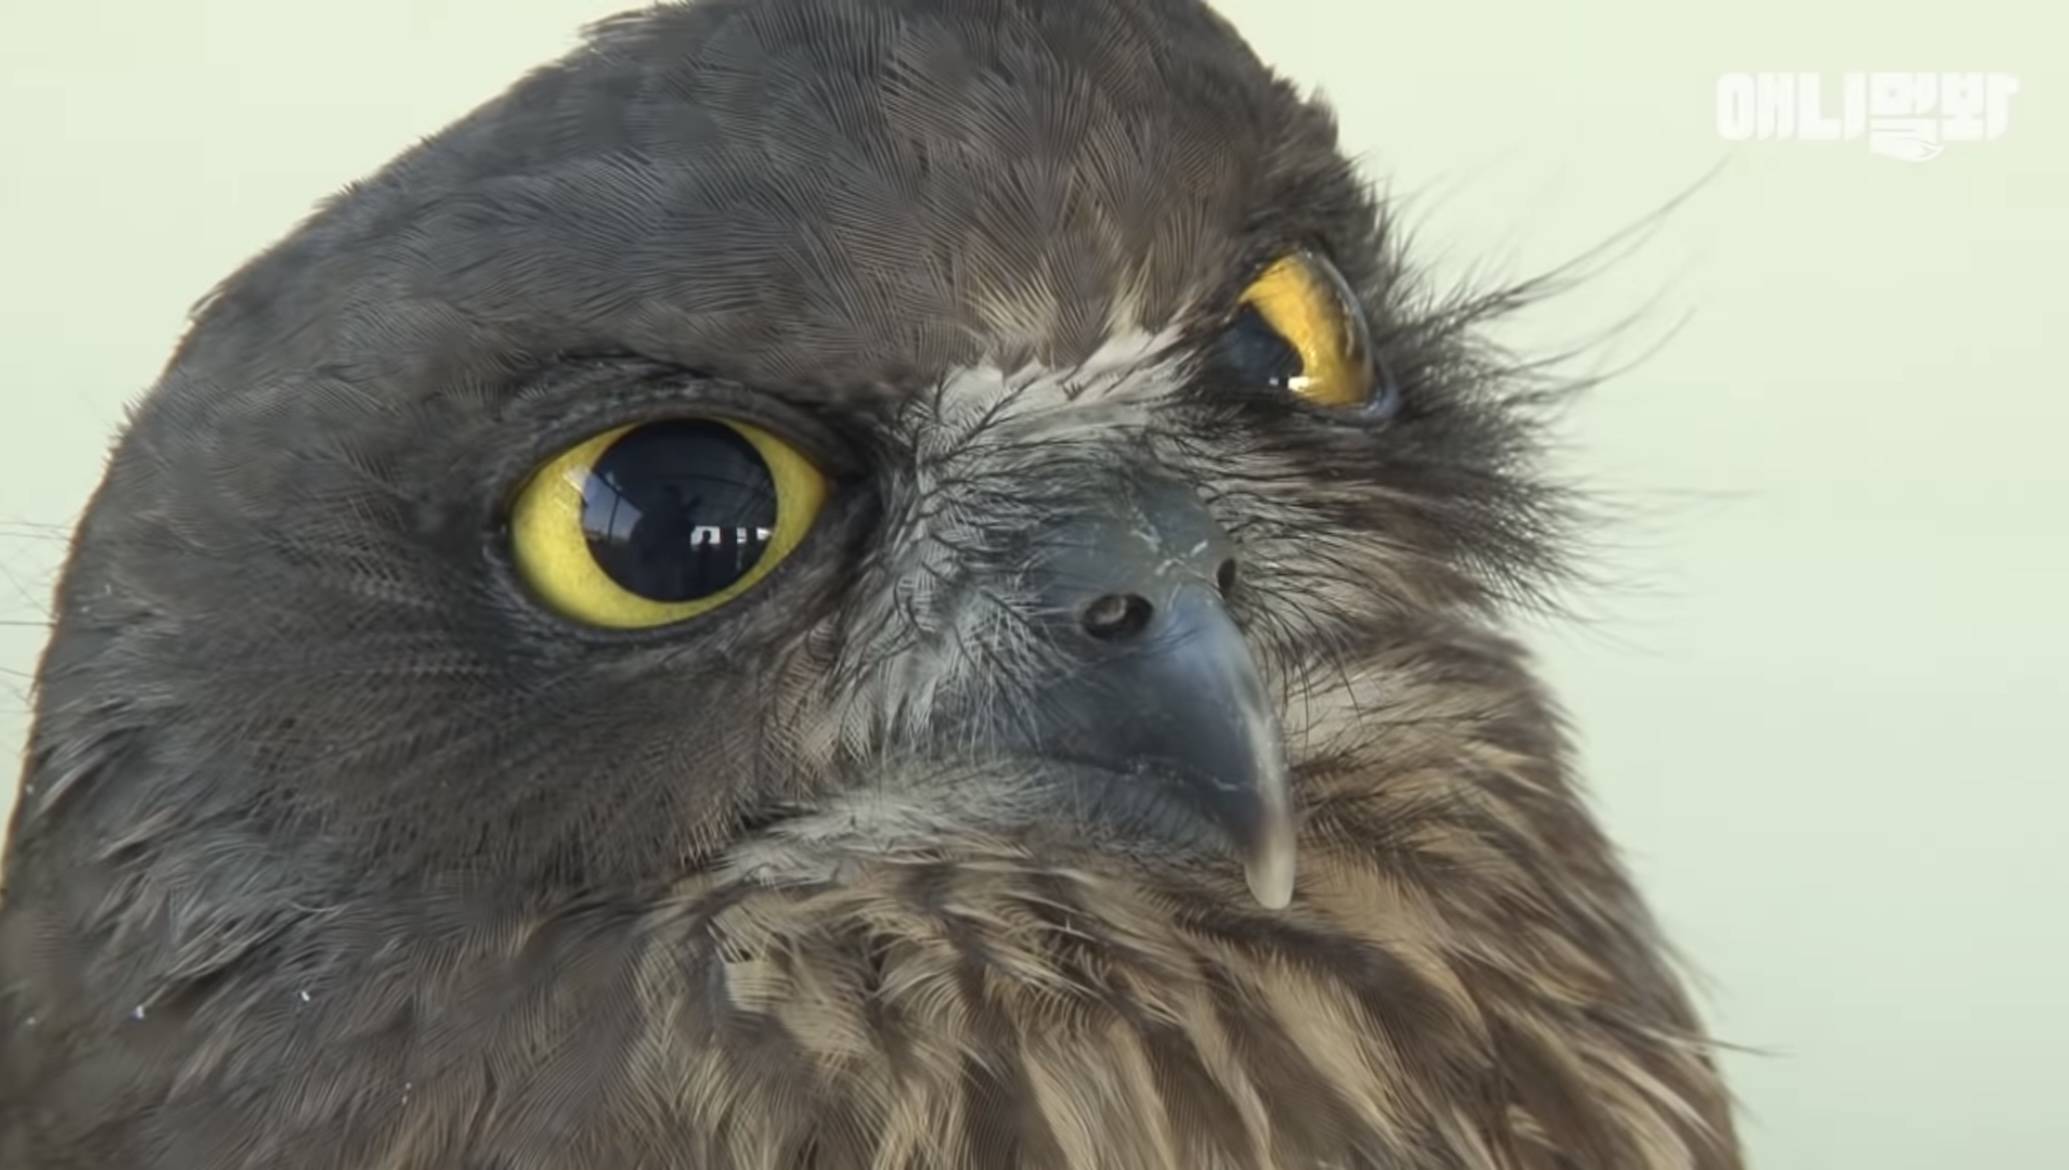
pixel 1822 699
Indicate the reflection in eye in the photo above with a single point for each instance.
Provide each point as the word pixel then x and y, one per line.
pixel 1252 346
pixel 679 510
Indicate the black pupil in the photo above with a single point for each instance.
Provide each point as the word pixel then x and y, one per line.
pixel 1256 352
pixel 678 510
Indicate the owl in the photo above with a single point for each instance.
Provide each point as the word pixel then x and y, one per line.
pixel 834 585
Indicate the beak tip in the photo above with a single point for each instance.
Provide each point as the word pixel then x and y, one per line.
pixel 1269 870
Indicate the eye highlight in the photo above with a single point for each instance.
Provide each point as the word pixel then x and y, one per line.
pixel 650 524
pixel 1298 328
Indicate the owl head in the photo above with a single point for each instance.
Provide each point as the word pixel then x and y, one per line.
pixel 787 432
pixel 802 496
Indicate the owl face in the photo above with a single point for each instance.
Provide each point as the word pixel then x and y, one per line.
pixel 946 438
pixel 834 583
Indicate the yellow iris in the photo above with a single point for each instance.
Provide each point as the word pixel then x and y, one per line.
pixel 1307 304
pixel 556 556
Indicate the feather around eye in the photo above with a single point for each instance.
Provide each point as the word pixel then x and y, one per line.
pixel 1324 355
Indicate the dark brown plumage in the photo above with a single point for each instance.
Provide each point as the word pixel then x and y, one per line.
pixel 337 848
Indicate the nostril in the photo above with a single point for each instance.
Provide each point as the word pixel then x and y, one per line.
pixel 1117 616
pixel 1225 577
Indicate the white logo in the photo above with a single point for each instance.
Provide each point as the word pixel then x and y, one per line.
pixel 1908 116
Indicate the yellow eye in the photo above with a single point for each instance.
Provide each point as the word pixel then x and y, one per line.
pixel 1299 328
pixel 650 524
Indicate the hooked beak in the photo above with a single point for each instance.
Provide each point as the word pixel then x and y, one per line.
pixel 1157 686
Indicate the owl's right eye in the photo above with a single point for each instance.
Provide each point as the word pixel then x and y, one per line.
pixel 1299 329
pixel 651 524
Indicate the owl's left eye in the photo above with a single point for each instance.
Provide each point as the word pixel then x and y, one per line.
pixel 1298 328
pixel 654 523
